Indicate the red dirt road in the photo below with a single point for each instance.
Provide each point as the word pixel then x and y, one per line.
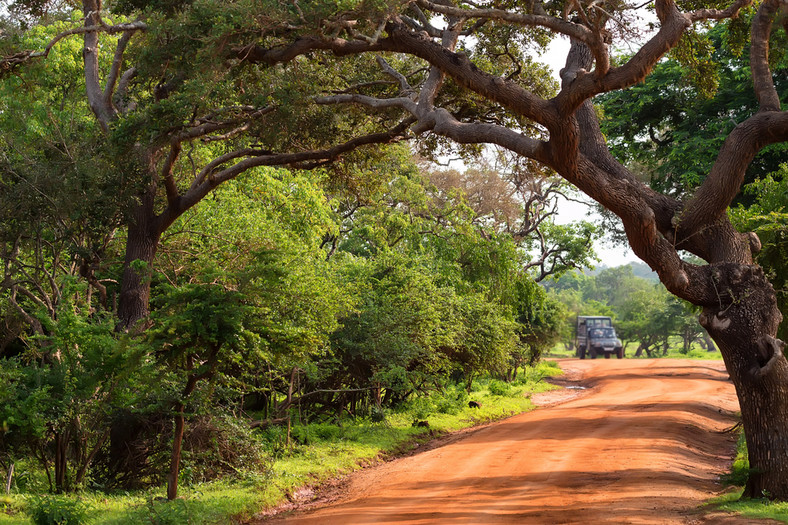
pixel 641 445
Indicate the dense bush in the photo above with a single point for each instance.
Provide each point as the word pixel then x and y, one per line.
pixel 214 446
pixel 57 510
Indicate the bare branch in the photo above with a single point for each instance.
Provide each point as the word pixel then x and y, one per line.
pixel 570 29
pixel 101 108
pixel 376 103
pixel 404 85
pixel 429 89
pixel 585 85
pixel 117 63
pixel 34 323
pixel 206 125
pixel 211 175
pixel 230 134
pixel 166 173
pixel 719 14
pixel 11 62
pixel 123 87
pixel 507 93
pixel 425 23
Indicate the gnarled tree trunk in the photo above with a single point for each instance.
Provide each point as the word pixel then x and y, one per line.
pixel 744 325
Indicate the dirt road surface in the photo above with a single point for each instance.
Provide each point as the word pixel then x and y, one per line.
pixel 643 443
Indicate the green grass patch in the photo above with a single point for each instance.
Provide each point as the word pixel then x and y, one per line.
pixel 753 508
pixel 315 453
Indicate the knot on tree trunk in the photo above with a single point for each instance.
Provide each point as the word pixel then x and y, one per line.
pixel 771 351
pixel 755 243
pixel 742 316
pixel 714 322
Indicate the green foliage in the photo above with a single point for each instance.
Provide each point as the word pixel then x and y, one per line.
pixel 399 326
pixel 167 513
pixel 768 217
pixel 57 510
pixel 61 388
pixel 669 129
pixel 541 318
pixel 755 508
pixel 498 388
pixel 740 468
pixel 196 317
pixel 695 54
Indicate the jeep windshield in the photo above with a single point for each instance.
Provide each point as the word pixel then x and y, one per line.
pixel 602 333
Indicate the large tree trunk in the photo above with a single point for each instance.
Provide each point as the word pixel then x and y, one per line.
pixel 61 461
pixel 744 327
pixel 142 243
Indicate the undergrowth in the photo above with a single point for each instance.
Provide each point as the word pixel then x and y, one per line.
pixel 312 454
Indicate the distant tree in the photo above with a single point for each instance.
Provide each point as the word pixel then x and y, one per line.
pixel 684 322
pixel 523 202
pixel 541 319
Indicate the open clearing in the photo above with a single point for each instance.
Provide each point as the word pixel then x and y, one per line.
pixel 643 443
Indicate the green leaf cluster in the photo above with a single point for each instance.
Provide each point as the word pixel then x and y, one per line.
pixel 768 218
pixel 669 128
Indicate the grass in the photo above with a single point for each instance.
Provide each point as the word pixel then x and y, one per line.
pixel 316 453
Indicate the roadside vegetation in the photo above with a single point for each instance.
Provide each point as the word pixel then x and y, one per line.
pixel 300 460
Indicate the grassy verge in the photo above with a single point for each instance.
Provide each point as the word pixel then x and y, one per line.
pixel 314 454
pixel 757 508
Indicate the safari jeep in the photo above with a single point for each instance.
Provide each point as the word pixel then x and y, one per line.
pixel 596 336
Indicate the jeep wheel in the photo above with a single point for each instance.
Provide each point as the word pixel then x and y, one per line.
pixel 592 353
pixel 581 352
pixel 620 353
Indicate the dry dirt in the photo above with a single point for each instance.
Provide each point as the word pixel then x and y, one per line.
pixel 640 442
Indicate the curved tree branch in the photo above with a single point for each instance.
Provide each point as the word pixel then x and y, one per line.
pixel 212 175
pixel 762 80
pixel 723 182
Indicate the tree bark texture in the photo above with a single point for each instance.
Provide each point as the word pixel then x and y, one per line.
pixel 9 478
pixel 743 325
pixel 144 232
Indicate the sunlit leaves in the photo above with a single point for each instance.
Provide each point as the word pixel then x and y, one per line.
pixel 695 53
